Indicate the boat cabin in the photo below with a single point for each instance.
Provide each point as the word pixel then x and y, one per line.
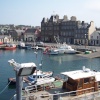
pixel 82 81
pixel 38 74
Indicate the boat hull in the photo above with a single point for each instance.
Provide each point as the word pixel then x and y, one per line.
pixel 24 47
pixel 9 48
pixel 12 81
pixel 70 51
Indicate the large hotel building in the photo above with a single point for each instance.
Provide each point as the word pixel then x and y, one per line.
pixel 70 30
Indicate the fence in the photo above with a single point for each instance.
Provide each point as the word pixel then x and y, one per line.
pixel 63 96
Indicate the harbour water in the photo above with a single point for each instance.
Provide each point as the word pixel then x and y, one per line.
pixel 55 63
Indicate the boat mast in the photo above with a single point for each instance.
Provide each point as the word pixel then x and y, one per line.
pixel 57 40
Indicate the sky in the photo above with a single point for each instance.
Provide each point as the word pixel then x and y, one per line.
pixel 31 12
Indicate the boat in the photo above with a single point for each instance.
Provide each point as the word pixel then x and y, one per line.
pixel 41 80
pixel 64 48
pixel 9 47
pixel 68 49
pixel 22 45
pixel 38 74
pixel 88 52
pixel 82 81
pixel 12 81
pixel 60 49
pixel 53 52
pixel 50 50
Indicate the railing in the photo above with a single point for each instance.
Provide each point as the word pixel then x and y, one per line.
pixel 64 96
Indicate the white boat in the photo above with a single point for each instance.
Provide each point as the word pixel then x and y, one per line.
pixel 43 80
pixel 61 49
pixel 67 48
pixel 42 73
pixel 53 51
pixel 38 74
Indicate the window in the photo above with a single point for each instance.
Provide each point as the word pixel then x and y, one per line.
pixel 80 83
pixel 92 79
pixel 91 37
pixel 86 80
pixel 97 41
pixel 91 42
pixel 97 37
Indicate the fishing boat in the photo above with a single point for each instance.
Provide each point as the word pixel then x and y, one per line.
pixel 9 47
pixel 41 80
pixel 38 74
pixel 82 81
pixel 22 45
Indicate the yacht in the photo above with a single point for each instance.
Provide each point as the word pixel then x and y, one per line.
pixel 61 49
pixel 67 49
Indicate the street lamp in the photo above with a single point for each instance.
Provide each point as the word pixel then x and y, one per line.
pixel 85 41
pixel 99 39
pixel 23 69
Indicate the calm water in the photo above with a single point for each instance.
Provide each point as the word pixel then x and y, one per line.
pixel 57 63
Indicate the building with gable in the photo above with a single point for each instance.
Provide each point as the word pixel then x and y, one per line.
pixel 71 31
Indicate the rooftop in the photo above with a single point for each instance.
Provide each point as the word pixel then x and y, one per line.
pixel 82 74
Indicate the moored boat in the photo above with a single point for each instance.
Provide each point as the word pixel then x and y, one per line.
pixel 81 81
pixel 38 74
pixel 12 81
pixel 60 49
pixel 9 47
pixel 64 48
pixel 22 45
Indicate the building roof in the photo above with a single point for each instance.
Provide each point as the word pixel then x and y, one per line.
pixel 30 30
pixel 3 36
pixel 78 74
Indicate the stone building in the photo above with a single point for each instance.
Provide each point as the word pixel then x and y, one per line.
pixel 12 33
pixel 6 39
pixel 70 30
pixel 83 33
pixel 31 35
pixel 95 38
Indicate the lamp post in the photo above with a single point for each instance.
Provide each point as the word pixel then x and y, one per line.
pixel 21 70
pixel 99 39
pixel 85 41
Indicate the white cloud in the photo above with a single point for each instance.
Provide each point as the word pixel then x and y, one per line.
pixel 93 5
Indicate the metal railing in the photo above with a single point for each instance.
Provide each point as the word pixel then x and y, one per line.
pixel 65 95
